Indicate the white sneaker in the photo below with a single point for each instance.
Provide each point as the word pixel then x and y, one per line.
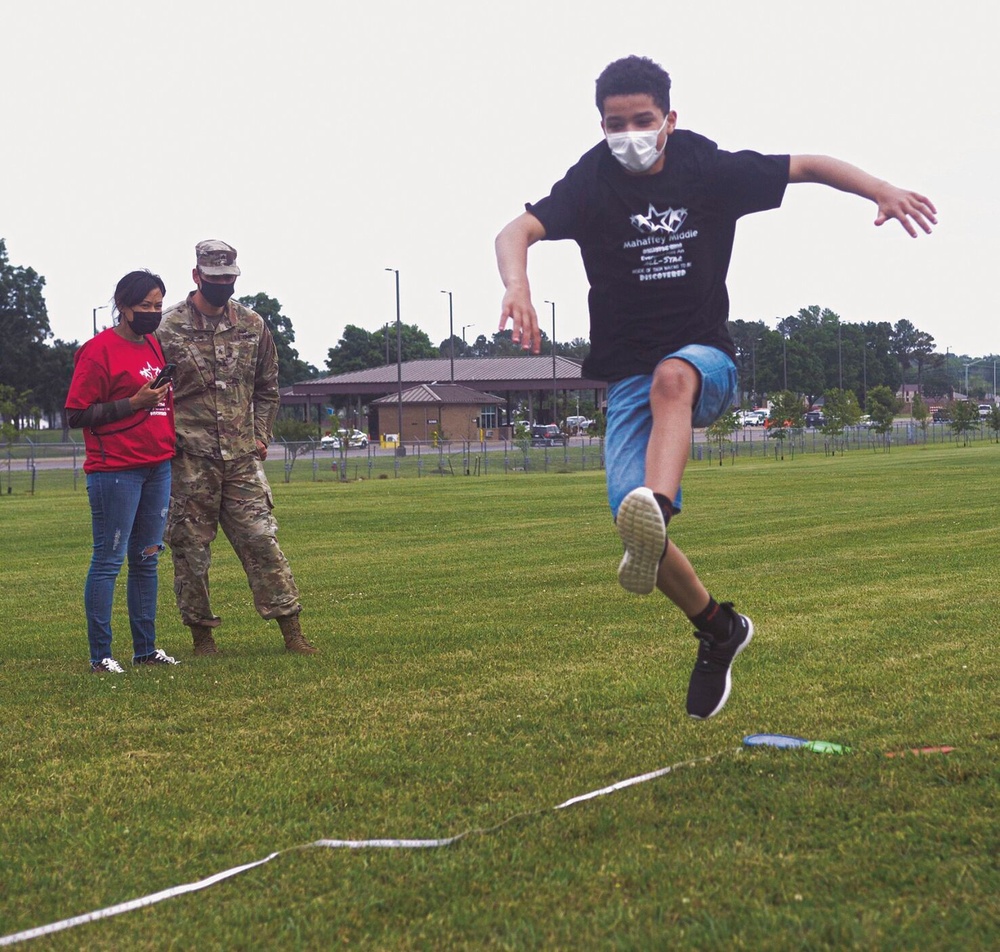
pixel 644 534
pixel 106 666
pixel 157 657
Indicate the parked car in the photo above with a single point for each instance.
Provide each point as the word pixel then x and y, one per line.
pixel 548 435
pixel 985 409
pixel 334 441
pixel 815 418
pixel 752 417
pixel 577 424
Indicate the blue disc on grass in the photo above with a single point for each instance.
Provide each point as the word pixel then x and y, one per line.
pixel 774 740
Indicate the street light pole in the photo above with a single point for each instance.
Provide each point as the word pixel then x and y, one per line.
pixel 840 359
pixel 464 326
pixel 100 307
pixel 399 367
pixel 784 357
pixel 451 334
pixel 971 363
pixel 555 408
pixel 864 374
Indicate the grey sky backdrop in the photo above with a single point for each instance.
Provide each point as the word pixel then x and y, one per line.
pixel 329 141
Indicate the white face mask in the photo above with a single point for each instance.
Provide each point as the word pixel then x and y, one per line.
pixel 637 151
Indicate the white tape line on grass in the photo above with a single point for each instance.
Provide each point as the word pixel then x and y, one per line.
pixel 173 891
pixel 132 903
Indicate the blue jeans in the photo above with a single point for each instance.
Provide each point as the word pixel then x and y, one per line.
pixel 129 510
pixel 630 417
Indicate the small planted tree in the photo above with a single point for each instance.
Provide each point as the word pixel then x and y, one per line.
pixel 882 408
pixel 721 431
pixel 921 413
pixel 297 436
pixel 964 418
pixel 841 410
pixel 786 415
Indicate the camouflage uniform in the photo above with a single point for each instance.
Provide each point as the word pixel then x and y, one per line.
pixel 225 398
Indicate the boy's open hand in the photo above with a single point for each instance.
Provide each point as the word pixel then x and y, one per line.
pixel 906 207
pixel 517 307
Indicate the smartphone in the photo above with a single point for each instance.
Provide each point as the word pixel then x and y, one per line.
pixel 163 376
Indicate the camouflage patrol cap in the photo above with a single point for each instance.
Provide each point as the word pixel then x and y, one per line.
pixel 216 257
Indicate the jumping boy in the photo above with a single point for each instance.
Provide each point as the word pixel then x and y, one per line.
pixel 654 211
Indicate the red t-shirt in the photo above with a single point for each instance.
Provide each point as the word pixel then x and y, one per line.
pixel 107 368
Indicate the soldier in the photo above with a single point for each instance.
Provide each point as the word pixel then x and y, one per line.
pixel 225 400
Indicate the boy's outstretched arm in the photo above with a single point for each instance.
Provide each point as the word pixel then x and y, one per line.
pixel 905 206
pixel 512 259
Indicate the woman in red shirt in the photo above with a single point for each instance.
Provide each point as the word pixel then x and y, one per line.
pixel 128 431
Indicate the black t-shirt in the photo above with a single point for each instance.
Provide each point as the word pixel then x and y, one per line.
pixel 656 248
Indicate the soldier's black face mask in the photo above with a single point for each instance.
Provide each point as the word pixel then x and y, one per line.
pixel 217 294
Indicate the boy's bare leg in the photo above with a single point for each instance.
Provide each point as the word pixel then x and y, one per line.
pixel 641 518
pixel 678 580
pixel 722 632
pixel 672 397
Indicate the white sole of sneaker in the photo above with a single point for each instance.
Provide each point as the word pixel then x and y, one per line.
pixel 729 675
pixel 644 535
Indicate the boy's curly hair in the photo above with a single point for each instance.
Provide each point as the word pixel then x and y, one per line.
pixel 634 74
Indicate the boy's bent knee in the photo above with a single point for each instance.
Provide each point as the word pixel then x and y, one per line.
pixel 674 380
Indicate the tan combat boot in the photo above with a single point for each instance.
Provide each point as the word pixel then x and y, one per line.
pixel 295 641
pixel 204 643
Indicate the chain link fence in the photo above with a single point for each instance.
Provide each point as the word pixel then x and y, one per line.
pixel 30 467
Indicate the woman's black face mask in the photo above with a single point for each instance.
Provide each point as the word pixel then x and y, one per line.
pixel 145 322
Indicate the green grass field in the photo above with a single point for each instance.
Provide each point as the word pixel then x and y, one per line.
pixel 479 662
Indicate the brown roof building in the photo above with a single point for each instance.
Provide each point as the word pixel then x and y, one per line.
pixel 507 382
pixel 439 411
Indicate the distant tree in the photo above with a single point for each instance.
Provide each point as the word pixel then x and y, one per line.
pixel 290 430
pixel 462 349
pixel 55 376
pixel 501 344
pixel 748 337
pixel 291 368
pixel 937 377
pixel 964 418
pixel 12 406
pixel 24 325
pixel 910 346
pixel 993 421
pixel 802 355
pixel 359 349
pixel 578 348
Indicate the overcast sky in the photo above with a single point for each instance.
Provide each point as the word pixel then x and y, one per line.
pixel 330 141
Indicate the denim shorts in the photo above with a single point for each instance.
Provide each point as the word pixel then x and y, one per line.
pixel 630 417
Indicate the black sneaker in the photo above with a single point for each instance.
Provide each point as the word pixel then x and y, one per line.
pixel 157 657
pixel 711 681
pixel 106 666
